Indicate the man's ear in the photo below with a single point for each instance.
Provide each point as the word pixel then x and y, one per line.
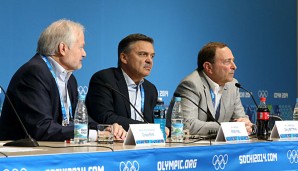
pixel 62 47
pixel 123 58
pixel 207 67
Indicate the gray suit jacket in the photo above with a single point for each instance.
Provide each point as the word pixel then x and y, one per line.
pixel 195 87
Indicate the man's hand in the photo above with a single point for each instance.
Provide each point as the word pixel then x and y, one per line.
pixel 119 132
pixel 248 124
pixel 167 131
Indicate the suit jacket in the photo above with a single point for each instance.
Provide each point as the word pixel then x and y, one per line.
pixel 34 93
pixel 196 88
pixel 107 106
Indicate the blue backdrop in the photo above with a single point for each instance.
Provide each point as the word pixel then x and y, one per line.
pixel 261 33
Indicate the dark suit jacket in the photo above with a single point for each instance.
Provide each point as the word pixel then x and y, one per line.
pixel 107 106
pixel 34 94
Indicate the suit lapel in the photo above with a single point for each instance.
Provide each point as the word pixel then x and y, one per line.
pixel 123 89
pixel 207 95
pixel 223 104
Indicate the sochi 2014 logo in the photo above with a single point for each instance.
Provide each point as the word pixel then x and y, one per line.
pixel 292 155
pixel 220 161
pixel 82 90
pixel 263 93
pixel 129 166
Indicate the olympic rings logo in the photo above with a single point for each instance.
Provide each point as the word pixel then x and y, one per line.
pixel 82 90
pixel 263 93
pixel 14 169
pixel 129 166
pixel 292 155
pixel 219 162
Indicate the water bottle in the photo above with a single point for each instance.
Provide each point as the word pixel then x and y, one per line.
pixel 81 122
pixel 0 106
pixel 177 122
pixel 263 120
pixel 160 116
pixel 295 113
pixel 1 102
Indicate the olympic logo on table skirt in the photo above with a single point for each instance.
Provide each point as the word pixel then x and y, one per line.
pixel 220 161
pixel 263 93
pixel 82 90
pixel 292 155
pixel 129 166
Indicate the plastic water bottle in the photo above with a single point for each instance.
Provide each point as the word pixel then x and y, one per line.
pixel 81 122
pixel 295 113
pixel 0 106
pixel 263 120
pixel 177 122
pixel 160 116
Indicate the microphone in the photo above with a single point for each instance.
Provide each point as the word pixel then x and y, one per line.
pixel 208 114
pixel 107 85
pixel 239 86
pixel 28 141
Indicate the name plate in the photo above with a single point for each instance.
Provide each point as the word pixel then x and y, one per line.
pixel 232 132
pixel 285 130
pixel 144 134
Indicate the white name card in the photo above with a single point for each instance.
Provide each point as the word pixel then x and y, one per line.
pixel 144 134
pixel 232 132
pixel 285 130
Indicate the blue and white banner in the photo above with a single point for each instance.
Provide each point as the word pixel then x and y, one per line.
pixel 244 157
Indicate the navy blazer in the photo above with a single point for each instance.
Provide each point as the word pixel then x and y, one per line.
pixel 34 94
pixel 107 106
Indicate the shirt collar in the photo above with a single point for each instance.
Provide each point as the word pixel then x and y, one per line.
pixel 129 81
pixel 213 85
pixel 60 72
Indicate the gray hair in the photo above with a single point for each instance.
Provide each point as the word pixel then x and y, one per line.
pixel 59 31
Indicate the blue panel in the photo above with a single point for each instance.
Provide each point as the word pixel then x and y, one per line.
pixel 262 35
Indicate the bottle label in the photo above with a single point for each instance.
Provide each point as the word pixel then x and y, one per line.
pixel 177 129
pixel 81 131
pixel 263 115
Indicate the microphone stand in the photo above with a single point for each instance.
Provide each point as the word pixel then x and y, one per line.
pixel 208 114
pixel 28 141
pixel 124 97
pixel 239 86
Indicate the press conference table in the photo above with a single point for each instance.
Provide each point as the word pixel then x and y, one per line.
pixel 202 155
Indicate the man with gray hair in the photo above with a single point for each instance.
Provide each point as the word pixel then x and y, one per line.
pixel 44 90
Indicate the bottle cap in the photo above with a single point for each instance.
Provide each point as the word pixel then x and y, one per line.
pixel 177 99
pixel 159 99
pixel 263 99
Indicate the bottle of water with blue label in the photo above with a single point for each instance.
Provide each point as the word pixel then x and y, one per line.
pixel 295 112
pixel 160 116
pixel 177 122
pixel 81 122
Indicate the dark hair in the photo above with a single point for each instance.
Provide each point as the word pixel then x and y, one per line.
pixel 207 53
pixel 124 44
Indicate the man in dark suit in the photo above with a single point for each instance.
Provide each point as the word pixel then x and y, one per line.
pixel 44 91
pixel 135 61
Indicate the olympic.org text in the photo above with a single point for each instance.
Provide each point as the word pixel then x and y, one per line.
pixel 177 164
pixel 258 158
